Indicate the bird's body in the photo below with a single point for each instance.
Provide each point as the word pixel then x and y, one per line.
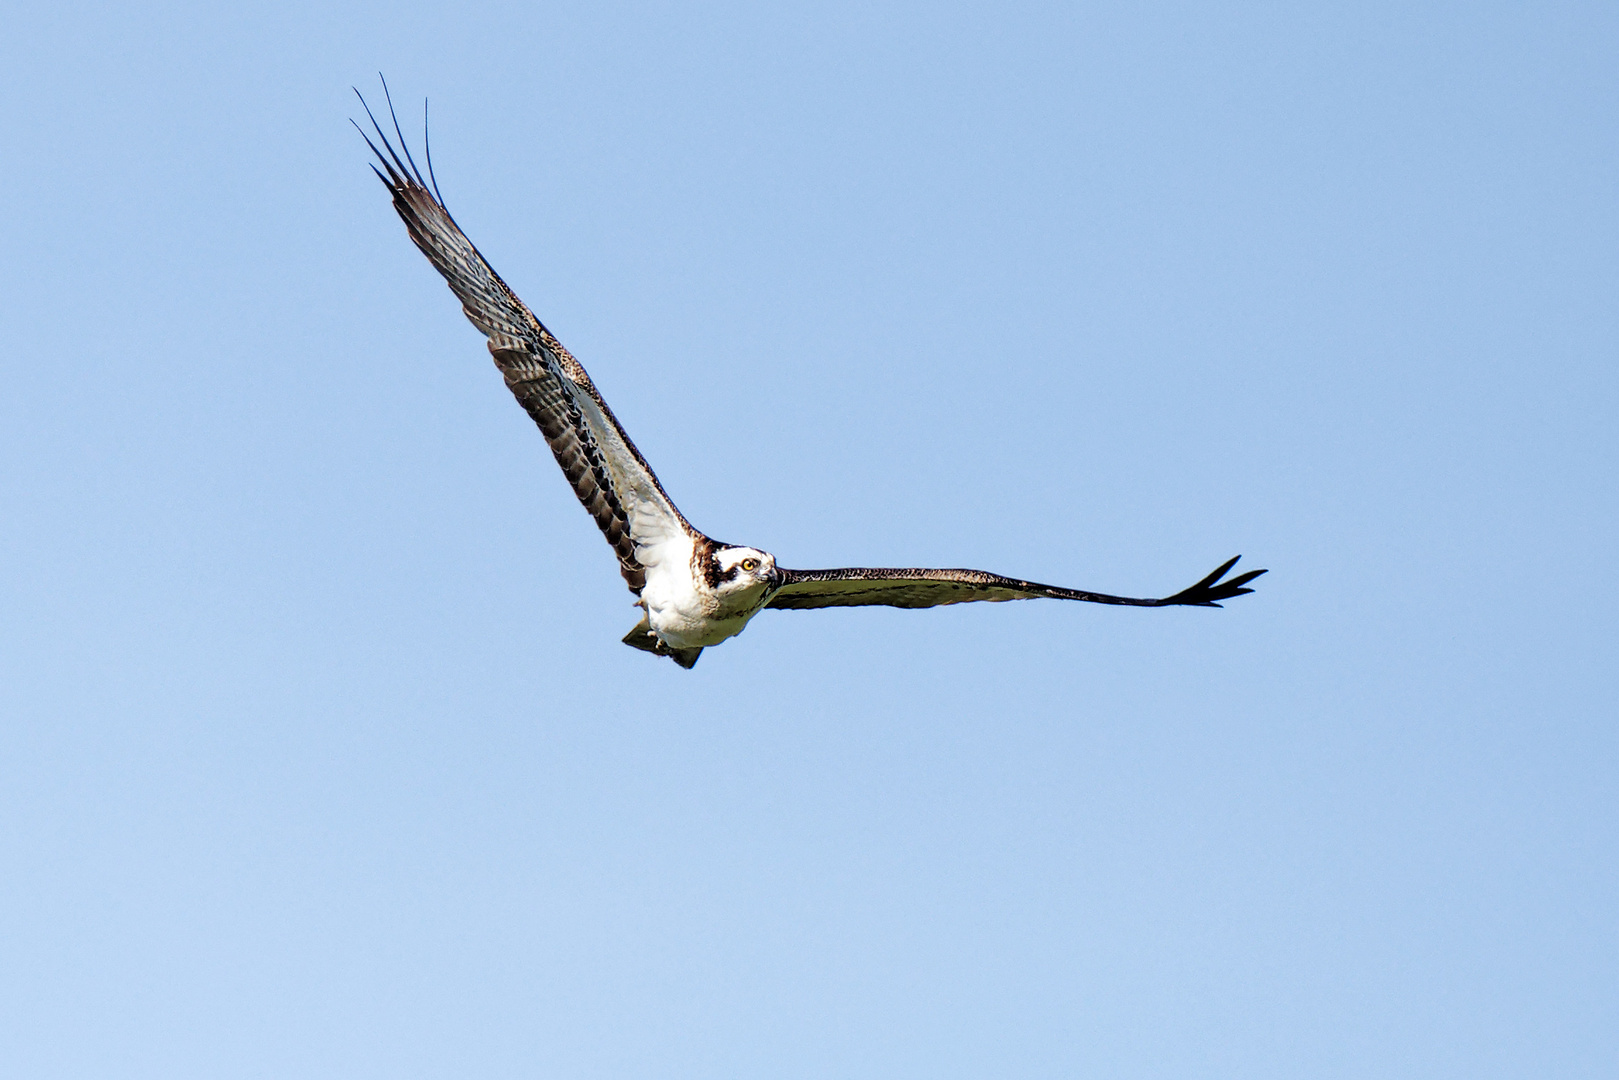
pixel 695 591
pixel 702 593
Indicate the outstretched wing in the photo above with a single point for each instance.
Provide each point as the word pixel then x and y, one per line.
pixel 917 588
pixel 606 471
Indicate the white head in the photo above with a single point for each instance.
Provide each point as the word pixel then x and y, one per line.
pixel 741 573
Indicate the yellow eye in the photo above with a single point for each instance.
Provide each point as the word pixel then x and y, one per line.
pixel 750 565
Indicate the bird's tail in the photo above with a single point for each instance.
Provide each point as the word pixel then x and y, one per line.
pixel 642 637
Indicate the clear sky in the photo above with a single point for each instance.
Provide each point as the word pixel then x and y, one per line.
pixel 319 753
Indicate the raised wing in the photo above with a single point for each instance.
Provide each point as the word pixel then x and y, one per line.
pixel 606 471
pixel 917 588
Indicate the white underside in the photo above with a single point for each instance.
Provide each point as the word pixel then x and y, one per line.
pixel 683 615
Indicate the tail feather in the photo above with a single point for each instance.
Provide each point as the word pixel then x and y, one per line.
pixel 642 637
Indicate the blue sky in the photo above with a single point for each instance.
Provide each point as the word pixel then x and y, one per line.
pixel 319 755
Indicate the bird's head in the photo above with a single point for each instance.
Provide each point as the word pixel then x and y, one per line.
pixel 742 572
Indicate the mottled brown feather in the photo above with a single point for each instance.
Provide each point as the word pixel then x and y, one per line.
pixel 915 587
pixel 542 375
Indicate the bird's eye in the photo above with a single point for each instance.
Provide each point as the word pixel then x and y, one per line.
pixel 750 565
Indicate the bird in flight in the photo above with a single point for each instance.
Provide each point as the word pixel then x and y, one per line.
pixel 693 591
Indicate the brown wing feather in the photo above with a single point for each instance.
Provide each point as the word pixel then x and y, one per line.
pixel 545 378
pixel 920 588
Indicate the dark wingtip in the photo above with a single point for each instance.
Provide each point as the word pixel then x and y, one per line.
pixel 391 184
pixel 427 146
pixel 403 172
pixel 1210 590
pixel 1220 571
pixel 403 145
pixel 1243 579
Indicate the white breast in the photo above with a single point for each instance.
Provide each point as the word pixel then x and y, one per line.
pixel 683 613
pixel 674 605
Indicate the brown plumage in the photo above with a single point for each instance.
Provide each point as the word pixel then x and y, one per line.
pixel 919 588
pixel 543 376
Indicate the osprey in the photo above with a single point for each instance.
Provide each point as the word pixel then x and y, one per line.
pixel 693 590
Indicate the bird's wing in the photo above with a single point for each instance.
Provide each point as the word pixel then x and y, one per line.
pixel 918 588
pixel 605 470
